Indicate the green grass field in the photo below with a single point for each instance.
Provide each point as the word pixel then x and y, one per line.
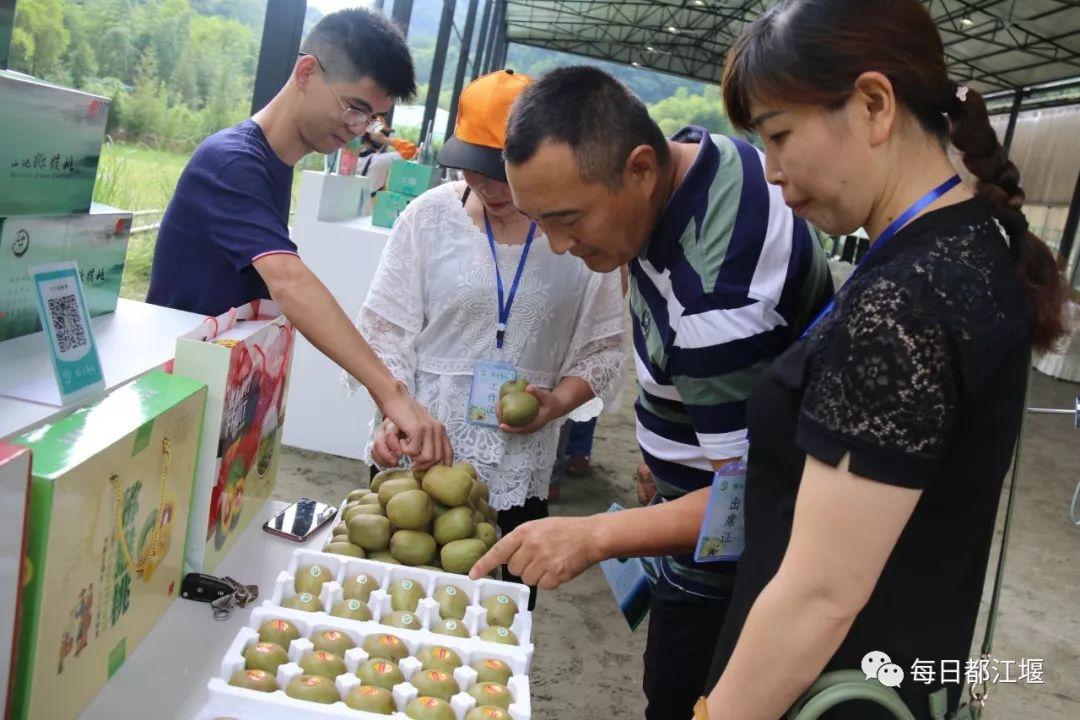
pixel 136 177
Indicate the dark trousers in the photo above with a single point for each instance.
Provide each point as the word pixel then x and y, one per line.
pixel 533 509
pixel 683 630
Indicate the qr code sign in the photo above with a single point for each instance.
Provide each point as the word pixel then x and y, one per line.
pixel 67 323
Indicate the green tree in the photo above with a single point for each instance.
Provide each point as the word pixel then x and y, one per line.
pixel 144 112
pixel 43 22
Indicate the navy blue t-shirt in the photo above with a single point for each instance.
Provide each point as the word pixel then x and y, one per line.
pixel 231 207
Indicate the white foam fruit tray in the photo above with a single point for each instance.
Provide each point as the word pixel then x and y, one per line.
pixel 236 703
pixel 427 612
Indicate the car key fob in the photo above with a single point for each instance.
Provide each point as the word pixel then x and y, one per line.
pixel 204 588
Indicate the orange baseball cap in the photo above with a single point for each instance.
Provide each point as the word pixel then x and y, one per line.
pixel 480 131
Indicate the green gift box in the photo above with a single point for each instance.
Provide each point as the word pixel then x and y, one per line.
pixel 110 497
pixel 96 241
pixel 388 205
pixel 49 147
pixel 412 179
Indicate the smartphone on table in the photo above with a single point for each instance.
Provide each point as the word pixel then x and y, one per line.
pixel 300 520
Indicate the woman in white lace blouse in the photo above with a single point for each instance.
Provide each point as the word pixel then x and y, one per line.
pixel 433 310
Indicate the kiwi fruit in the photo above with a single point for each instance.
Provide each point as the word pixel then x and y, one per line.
pixel 380 672
pixel 278 631
pixel 311 578
pixel 429 708
pixel 501 635
pixel 453 628
pixel 359 587
pixel 332 641
pixel 405 594
pixel 494 694
pixel 452 602
pixel 254 680
pixel 435 683
pixel 492 670
pixel 320 662
pixel 372 699
pixel 265 656
pixel 439 657
pixel 304 601
pixel 501 610
pixel 315 688
pixel 404 619
pixel 385 646
pixel 351 610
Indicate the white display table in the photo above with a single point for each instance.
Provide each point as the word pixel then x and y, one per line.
pixel 131 342
pixel 344 256
pixel 165 677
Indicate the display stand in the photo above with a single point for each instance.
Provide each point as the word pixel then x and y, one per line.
pixel 344 256
pixel 134 340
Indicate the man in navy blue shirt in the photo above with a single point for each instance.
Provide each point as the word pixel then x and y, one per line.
pixel 224 239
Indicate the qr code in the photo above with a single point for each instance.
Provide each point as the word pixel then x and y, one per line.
pixel 67 322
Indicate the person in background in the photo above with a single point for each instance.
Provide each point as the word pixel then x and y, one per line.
pixel 379 152
pixel 723 278
pixel 224 239
pixel 435 310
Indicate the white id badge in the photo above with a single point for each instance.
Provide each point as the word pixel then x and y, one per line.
pixel 488 378
pixel 723 533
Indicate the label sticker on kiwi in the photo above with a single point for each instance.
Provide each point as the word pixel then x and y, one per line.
pixel 502 632
pixel 407 584
pixel 281 625
pixel 440 653
pixel 429 702
pixel 451 590
pixel 331 635
pixel 389 641
pixel 369 690
pixel 264 648
pixel 503 600
pixel 257 674
pixel 406 618
pixel 492 690
pixel 493 664
pixel 451 624
pixel 383 668
pixel 306 597
pixel 438 676
pixel 316 571
pixel 323 655
pixel 353 605
pixel 361 579
pixel 312 681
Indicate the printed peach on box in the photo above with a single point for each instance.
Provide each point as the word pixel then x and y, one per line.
pixel 243 357
pixel 109 502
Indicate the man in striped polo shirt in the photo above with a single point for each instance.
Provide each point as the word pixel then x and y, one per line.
pixel 723 279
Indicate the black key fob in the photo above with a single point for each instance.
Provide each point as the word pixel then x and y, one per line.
pixel 204 588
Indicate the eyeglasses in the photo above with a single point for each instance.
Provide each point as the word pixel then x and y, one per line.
pixel 356 120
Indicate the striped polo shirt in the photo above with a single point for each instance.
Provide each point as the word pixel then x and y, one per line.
pixel 729 279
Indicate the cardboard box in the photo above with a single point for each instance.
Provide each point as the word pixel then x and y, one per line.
pixel 97 241
pixel 388 205
pixel 14 502
pixel 244 360
pixel 128 462
pixel 411 178
pixel 49 147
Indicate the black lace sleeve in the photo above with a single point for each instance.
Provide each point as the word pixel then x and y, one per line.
pixel 880 384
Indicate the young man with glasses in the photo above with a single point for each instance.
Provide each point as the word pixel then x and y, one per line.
pixel 224 239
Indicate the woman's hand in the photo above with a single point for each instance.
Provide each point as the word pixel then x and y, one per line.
pixel 550 409
pixel 386 450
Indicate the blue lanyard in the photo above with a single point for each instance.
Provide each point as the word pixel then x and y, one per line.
pixel 504 306
pixel 889 232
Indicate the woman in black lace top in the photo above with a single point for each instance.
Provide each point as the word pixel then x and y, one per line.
pixel 879 442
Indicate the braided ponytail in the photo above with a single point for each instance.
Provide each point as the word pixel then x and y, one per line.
pixel 998 181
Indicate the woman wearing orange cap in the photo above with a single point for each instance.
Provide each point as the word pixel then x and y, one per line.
pixel 468 292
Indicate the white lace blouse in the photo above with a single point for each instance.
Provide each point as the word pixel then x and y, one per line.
pixel 431 314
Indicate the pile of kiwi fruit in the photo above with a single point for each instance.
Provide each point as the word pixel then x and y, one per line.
pixel 438 518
